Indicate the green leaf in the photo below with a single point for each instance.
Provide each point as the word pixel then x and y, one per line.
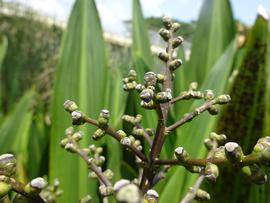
pixel 142 59
pixel 3 49
pixel 215 30
pixel 14 132
pixel 243 118
pixel 80 76
pixel 191 135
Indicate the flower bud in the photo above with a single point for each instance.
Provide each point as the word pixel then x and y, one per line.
pixel 129 86
pixel 181 154
pixel 99 150
pixel 149 105
pixel 196 94
pixel 77 136
pixel 177 41
pixel 35 186
pixel 92 148
pixel 151 196
pixel 77 118
pixel 121 133
pixel 99 160
pixel 7 165
pixel 149 131
pixel 98 134
pixel 219 153
pixel 139 88
pixel 209 95
pixel 223 99
pixel 70 147
pixel 132 75
pixel 129 193
pixel 175 27
pixel 255 173
pixel 5 188
pixel 208 144
pixel 139 132
pixel 202 195
pixel 69 131
pixel 176 63
pixel 165 34
pixel 150 79
pixel 147 95
pixel 193 169
pixel 64 142
pixel 163 56
pixel 233 152
pixel 104 113
pixel 167 22
pixel 120 184
pixel 109 174
pixel 105 190
pixel 193 86
pixel 70 106
pixel 160 78
pixel 219 138
pixel 125 141
pixel 86 199
pixel 163 97
pixel 211 172
pixel 129 119
pixel 138 118
pixel 213 110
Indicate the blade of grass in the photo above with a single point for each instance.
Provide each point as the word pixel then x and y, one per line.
pixel 81 76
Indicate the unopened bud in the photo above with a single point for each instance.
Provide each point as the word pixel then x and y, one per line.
pixel 167 22
pixel 209 95
pixel 147 95
pixel 163 56
pixel 175 27
pixel 132 75
pixel 149 105
pixel 125 141
pixel 219 138
pixel 233 152
pixel 70 147
pixel 193 86
pixel 160 78
pixel 139 88
pixel 77 136
pixel 105 190
pixel 35 186
pixel 176 63
pixel 211 172
pixel 98 134
pixel 181 154
pixel 202 195
pixel 165 34
pixel 213 110
pixel 70 106
pixel 121 133
pixel 77 118
pixel 129 193
pixel 255 173
pixel 139 132
pixel 150 79
pixel 223 99
pixel 109 174
pixel 7 164
pixel 151 196
pixel 208 144
pixel 69 131
pixel 177 41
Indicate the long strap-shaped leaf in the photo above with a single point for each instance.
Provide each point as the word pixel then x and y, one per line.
pixel 243 118
pixel 191 136
pixel 215 30
pixel 14 132
pixel 3 49
pixel 81 76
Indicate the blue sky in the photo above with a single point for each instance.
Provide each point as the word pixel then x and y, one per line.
pixel 112 12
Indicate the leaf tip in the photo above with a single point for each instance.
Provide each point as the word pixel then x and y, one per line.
pixel 263 12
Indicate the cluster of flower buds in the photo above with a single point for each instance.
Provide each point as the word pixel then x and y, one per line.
pixel 131 141
pixel 130 81
pixel 72 108
pixel 95 156
pixel 72 137
pixel 262 150
pixel 103 121
pixel 192 92
pixel 132 120
pixel 214 140
pixel 52 192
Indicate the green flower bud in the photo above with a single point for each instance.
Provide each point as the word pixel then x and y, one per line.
pixel 196 94
pixel 86 199
pixel 213 110
pixel 129 86
pixel 92 175
pixel 150 79
pixel 35 186
pixel 70 147
pixel 175 27
pixel 219 153
pixel 125 80
pixel 193 86
pixel 149 105
pixel 208 144
pixel 151 196
pixel 109 174
pixel 147 95
pixel 64 142
pixel 70 106
pixel 139 132
pixel 125 141
pixel 129 193
pixel 163 56
pixel 132 75
pixel 149 131
pixel 211 172
pixel 223 99
pixel 77 118
pixel 99 160
pixel 139 88
pixel 78 136
pixel 233 152
pixel 193 169
pixel 160 78
pixel 165 34
pixel 138 118
pixel 129 119
pixel 167 22
pixel 209 95
pixel 104 113
pixel 202 195
pixel 265 156
pixel 255 174
pixel 177 41
pixel 5 188
pixel 163 97
pixel 105 190
pixel 219 138
pixel 99 150
pixel 92 148
pixel 121 133
pixel 7 165
pixel 98 134
pixel 181 154
pixel 176 63
pixel 69 131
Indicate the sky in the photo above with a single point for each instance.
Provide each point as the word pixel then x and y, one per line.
pixel 113 12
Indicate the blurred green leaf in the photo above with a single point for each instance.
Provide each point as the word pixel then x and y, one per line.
pixel 215 30
pixel 80 76
pixel 3 49
pixel 14 132
pixel 191 135
pixel 243 118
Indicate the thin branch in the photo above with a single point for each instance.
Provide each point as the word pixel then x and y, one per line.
pixel 188 117
pixel 178 98
pixel 192 193
pixel 247 160
pixel 115 135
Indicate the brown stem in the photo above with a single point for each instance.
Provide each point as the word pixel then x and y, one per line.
pixel 178 98
pixel 188 117
pixel 115 135
pixel 192 193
